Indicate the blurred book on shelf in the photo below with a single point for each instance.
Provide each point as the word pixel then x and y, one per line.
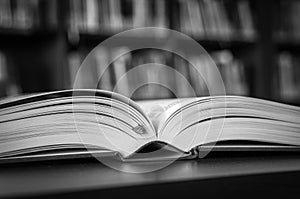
pixel 111 16
pixel 216 19
pixel 8 84
pixel 27 14
pixel 145 66
pixel 18 14
pixel 127 75
pixel 233 73
pixel 287 20
pixel 289 72
pixel 202 19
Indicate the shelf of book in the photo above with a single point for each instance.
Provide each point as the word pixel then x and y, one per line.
pixel 287 44
pixel 242 27
pixel 88 40
pixel 15 35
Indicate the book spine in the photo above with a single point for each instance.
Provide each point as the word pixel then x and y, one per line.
pixel 120 70
pixel 103 72
pixel 288 72
pixel 8 78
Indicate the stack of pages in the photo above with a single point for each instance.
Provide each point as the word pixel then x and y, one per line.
pixel 111 124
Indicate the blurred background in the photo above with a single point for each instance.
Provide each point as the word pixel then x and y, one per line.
pixel 255 44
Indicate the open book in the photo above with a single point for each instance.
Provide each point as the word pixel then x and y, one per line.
pixel 108 122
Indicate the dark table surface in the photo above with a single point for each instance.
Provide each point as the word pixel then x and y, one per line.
pixel 271 174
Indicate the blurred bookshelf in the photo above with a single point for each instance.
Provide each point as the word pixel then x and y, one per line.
pixel 254 43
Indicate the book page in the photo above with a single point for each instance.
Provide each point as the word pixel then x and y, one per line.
pixel 160 110
pixel 73 117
